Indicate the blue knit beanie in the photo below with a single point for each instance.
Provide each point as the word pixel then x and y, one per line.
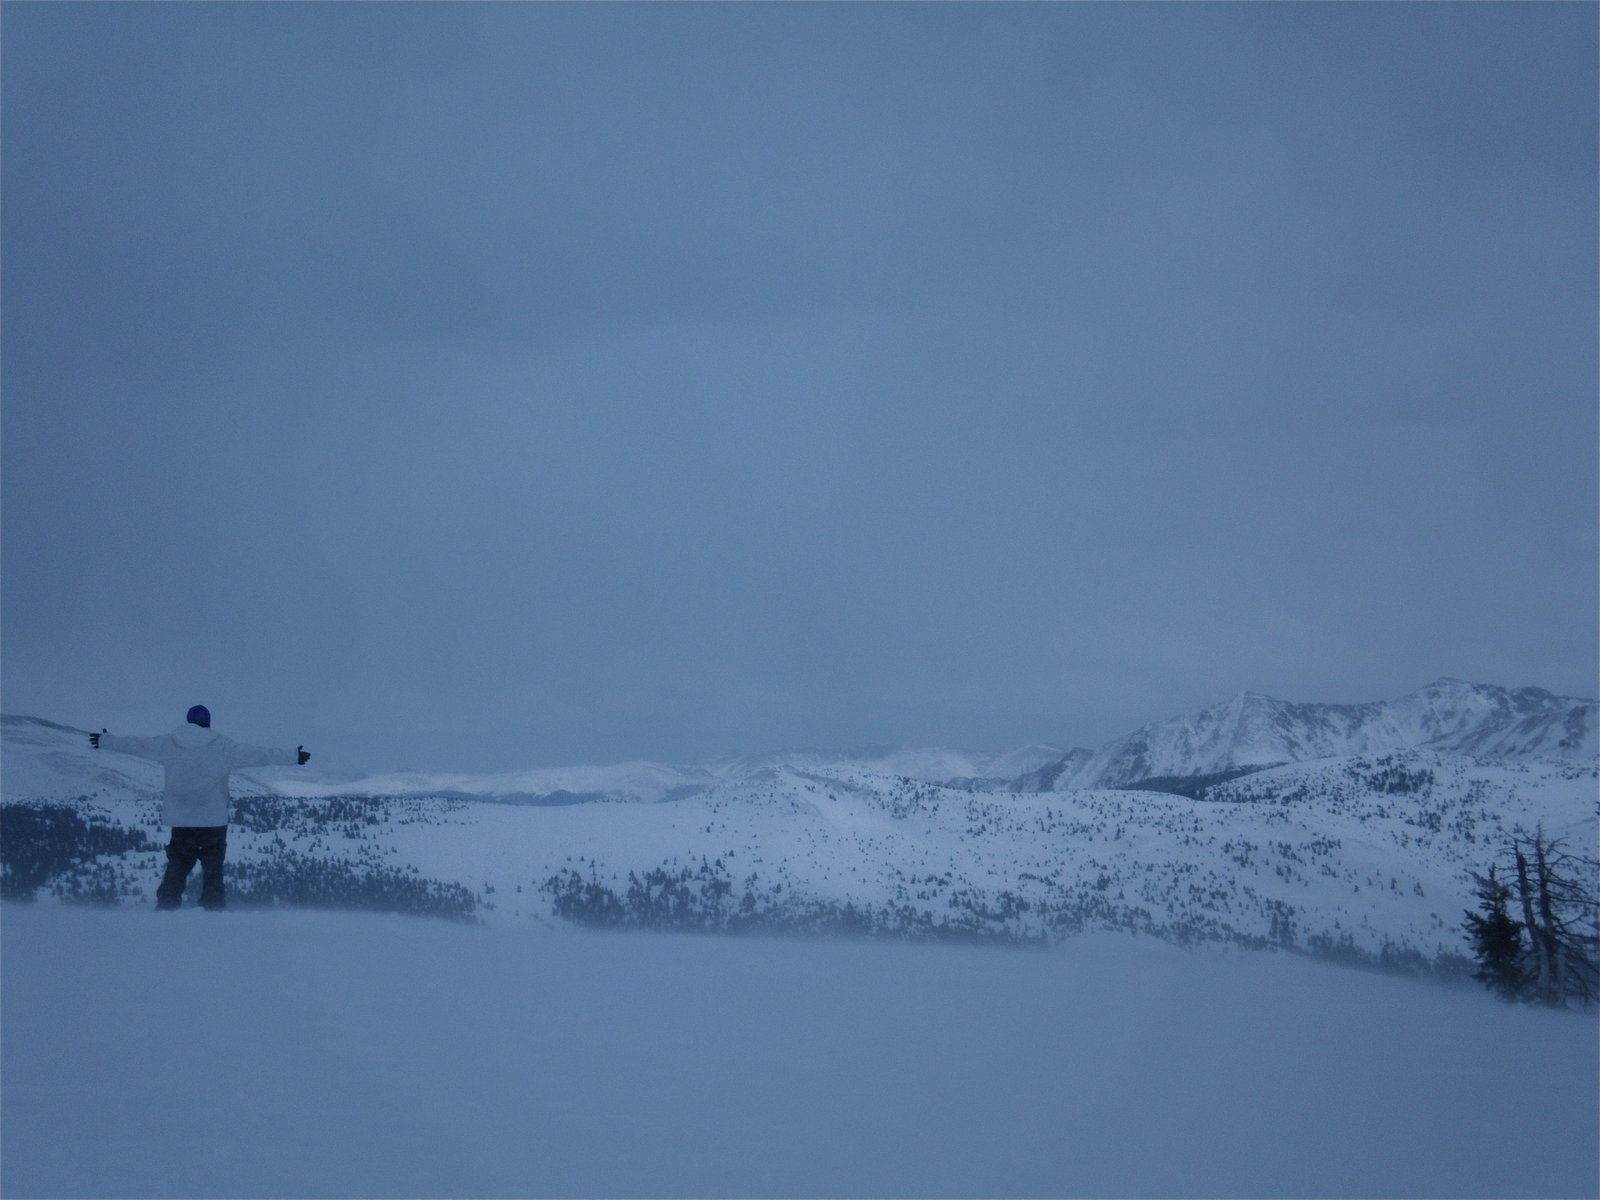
pixel 200 715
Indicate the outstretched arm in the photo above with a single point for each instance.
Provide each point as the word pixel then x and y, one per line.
pixel 137 746
pixel 240 755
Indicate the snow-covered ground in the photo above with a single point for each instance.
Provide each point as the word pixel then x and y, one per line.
pixel 276 1053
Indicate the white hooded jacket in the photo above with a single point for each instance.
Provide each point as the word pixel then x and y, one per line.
pixel 197 762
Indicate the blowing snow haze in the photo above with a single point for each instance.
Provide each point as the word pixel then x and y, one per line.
pixel 503 386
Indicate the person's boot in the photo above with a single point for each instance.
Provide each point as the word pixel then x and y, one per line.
pixel 213 853
pixel 169 896
pixel 181 855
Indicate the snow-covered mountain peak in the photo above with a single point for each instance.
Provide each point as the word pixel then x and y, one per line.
pixel 1254 730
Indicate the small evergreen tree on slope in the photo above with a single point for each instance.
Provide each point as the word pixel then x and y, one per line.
pixel 1496 939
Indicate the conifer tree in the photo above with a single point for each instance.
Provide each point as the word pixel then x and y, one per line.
pixel 1497 939
pixel 1556 893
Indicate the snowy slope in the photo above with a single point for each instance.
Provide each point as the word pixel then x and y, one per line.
pixel 1254 730
pixel 356 1055
pixel 40 758
pixel 1324 857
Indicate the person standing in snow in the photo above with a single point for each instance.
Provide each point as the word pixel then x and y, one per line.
pixel 195 802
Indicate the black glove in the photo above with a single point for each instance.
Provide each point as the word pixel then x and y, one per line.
pixel 94 739
pixel 304 757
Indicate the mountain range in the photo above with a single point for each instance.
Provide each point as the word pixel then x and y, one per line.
pixel 1359 843
pixel 1451 716
pixel 1249 732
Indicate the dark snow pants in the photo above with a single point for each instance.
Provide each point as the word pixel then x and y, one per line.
pixel 209 845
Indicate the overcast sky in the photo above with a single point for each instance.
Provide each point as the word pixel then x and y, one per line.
pixel 479 386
